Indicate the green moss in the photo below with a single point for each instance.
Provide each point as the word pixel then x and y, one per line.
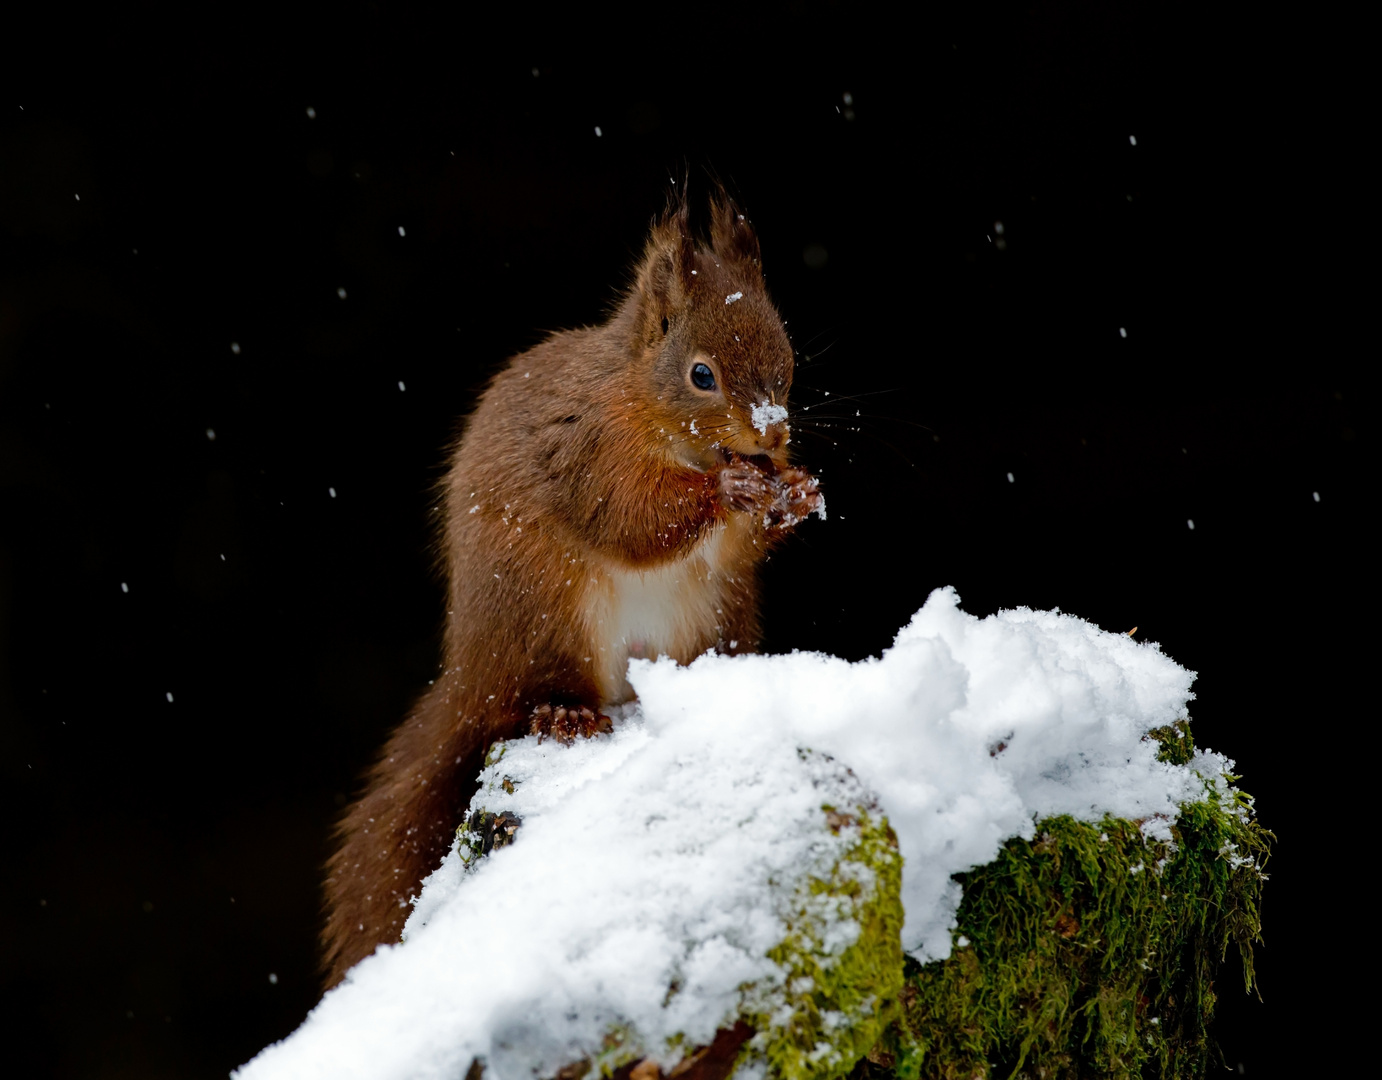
pixel 1177 744
pixel 482 832
pixel 837 1003
pixel 621 1048
pixel 1090 951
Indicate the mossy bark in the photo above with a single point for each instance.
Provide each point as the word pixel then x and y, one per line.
pixel 839 1001
pixel 1091 951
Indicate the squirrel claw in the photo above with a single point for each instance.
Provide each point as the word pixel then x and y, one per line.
pixel 565 722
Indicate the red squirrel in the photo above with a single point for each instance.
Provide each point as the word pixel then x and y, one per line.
pixel 612 496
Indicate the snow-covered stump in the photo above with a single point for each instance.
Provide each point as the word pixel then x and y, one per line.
pixel 994 846
pixel 803 873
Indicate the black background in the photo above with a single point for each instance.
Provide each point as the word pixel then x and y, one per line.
pixel 162 206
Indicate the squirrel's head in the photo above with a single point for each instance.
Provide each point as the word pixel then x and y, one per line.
pixel 709 341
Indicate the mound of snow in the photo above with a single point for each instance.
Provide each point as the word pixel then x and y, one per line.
pixel 656 858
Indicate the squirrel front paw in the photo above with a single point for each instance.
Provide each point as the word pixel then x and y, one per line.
pixel 797 496
pixel 744 486
pixel 783 498
pixel 565 722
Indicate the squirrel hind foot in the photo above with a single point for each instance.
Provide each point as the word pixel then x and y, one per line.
pixel 565 722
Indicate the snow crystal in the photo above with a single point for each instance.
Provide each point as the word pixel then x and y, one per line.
pixel 1122 331
pixel 331 491
pixel 401 232
pixel 598 132
pixel 645 857
pixel 124 586
pixel 211 434
pixel 1010 479
pixel 401 387
pixel 1191 523
pixel 1316 494
pixel 273 979
pixel 169 695
pixel 764 414
pixel 733 297
pixel 235 347
pixel 341 293
pixel 1132 139
pixel 311 113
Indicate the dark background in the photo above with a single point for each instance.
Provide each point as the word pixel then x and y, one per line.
pixel 174 229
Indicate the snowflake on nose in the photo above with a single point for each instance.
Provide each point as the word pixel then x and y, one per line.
pixel 764 414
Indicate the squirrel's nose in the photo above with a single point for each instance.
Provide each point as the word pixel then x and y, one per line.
pixel 775 436
pixel 769 420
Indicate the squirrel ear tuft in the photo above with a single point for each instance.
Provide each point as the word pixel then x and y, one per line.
pixel 730 231
pixel 665 276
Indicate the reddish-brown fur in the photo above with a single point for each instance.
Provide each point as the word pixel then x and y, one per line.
pixel 599 505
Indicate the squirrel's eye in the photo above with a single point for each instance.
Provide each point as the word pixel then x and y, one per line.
pixel 703 377
pixel 664 326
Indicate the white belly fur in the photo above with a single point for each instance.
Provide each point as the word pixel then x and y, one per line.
pixel 668 610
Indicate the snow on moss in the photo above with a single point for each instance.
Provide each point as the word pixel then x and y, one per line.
pixel 726 853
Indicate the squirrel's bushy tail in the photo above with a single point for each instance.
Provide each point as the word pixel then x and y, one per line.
pixel 397 833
